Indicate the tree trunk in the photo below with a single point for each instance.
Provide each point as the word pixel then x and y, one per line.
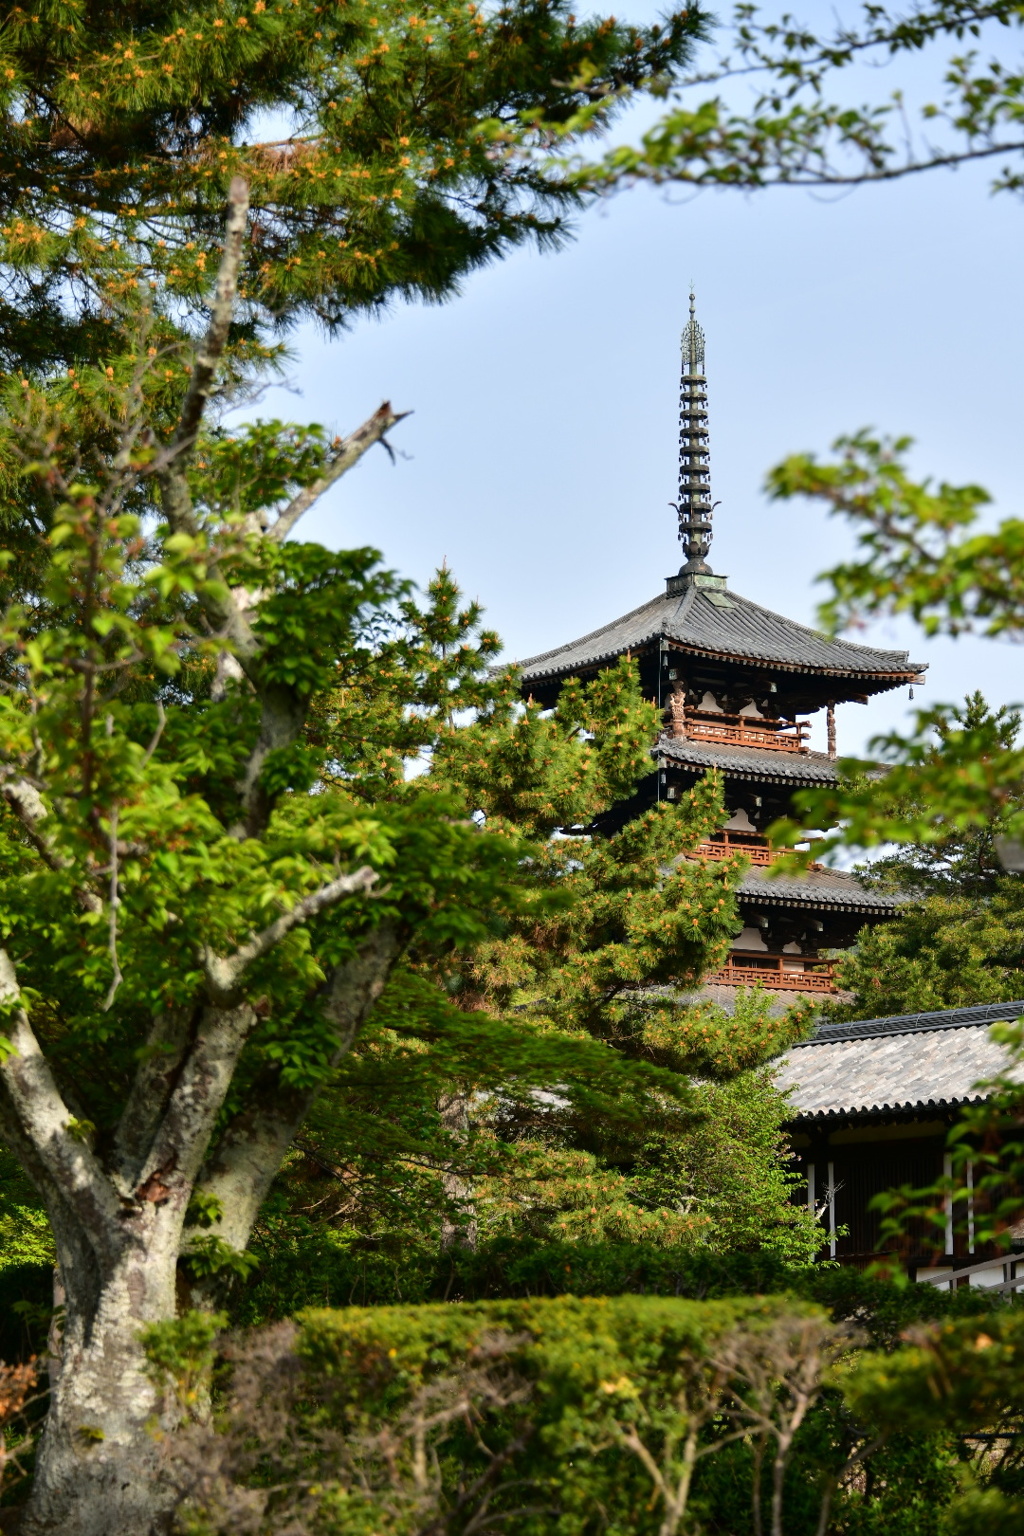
pixel 102 1468
pixel 454 1108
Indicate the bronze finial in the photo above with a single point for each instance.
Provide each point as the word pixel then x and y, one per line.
pixel 694 505
pixel 693 343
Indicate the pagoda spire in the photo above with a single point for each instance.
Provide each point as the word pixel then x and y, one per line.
pixel 694 506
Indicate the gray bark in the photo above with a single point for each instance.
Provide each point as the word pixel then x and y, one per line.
pixel 248 1155
pixel 103 1466
pixel 102 1469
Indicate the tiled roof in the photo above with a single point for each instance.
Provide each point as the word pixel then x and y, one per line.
pixel 913 1023
pixel 721 623
pixel 767 766
pixel 815 888
pixel 913 1062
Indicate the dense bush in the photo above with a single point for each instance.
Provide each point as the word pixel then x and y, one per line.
pixel 556 1414
pixel 566 1416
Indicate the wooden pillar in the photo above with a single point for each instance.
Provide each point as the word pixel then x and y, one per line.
pixel 677 713
pixel 831 719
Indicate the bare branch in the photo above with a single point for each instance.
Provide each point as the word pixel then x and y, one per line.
pixel 171 464
pixel 161 721
pixel 113 902
pixel 27 804
pixel 221 313
pixel 224 974
pixel 347 453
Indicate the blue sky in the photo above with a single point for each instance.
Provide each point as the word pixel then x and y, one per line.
pixel 541 455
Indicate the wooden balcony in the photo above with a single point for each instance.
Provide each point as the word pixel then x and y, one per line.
pixel 783 973
pixel 747 731
pixel 726 844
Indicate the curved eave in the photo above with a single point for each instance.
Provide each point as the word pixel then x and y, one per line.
pixel 880 682
pixel 914 1109
pixel 815 902
pixel 885 680
pixel 800 769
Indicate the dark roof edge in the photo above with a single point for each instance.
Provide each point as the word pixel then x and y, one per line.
pixel 888 680
pixel 915 1023
pixel 912 1109
pixel 818 772
pixel 812 901
pixel 898 676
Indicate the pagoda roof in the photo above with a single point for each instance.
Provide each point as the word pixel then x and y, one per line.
pixel 706 619
pixel 816 887
pixel 768 766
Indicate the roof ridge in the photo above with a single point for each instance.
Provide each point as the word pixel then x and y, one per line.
pixel 915 1023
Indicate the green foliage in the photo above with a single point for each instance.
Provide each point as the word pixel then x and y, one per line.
pixel 634 1413
pixel 963 1375
pixel 977 1504
pixel 321 1265
pixel 366 1204
pixel 803 128
pixel 25 1240
pixel 119 134
pixel 181 1353
pixel 546 1414
pixel 541 769
pixel 482 1105
pixel 534 1036
pixel 730 1170
pixel 943 952
pixel 208 1255
pixel 955 778
pixel 918 554
pixel 955 860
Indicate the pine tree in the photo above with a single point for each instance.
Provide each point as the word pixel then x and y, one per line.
pixel 474 1110
pixel 387 150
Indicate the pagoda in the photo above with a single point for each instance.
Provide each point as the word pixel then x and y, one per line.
pixel 736 683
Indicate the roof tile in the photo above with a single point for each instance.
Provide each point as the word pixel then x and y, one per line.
pixel 767 764
pixel 819 887
pixel 741 628
pixel 910 1062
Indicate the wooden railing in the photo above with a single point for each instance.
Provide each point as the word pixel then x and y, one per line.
pixel 789 973
pixel 950 1277
pixel 725 844
pixel 747 731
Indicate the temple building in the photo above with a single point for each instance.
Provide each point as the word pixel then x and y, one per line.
pixel 737 682
pixel 872 1103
